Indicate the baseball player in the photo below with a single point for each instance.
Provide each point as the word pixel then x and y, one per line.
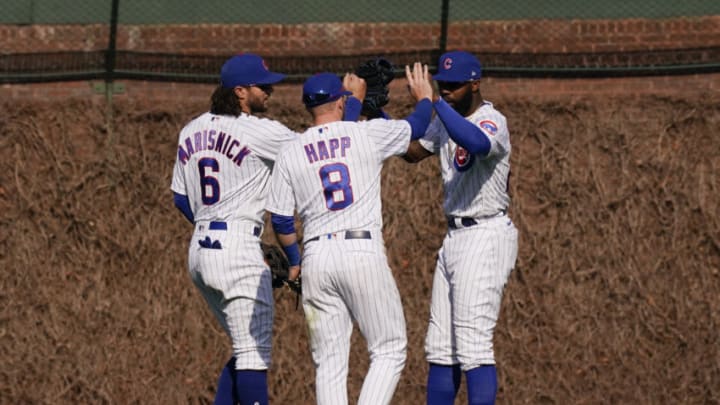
pixel 220 180
pixel 480 248
pixel 331 176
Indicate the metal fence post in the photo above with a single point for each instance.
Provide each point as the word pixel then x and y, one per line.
pixel 110 56
pixel 112 43
pixel 444 25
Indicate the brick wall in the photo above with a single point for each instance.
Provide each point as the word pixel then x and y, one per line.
pixel 560 36
pixel 537 36
pixel 499 43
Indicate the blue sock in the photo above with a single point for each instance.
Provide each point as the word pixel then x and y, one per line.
pixel 226 385
pixel 251 387
pixel 443 384
pixel 481 385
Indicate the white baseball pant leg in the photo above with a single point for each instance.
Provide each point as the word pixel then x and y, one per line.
pixel 346 280
pixel 236 283
pixel 473 267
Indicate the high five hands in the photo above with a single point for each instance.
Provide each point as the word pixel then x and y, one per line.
pixel 419 81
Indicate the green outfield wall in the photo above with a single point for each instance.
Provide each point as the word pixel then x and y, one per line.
pixel 321 11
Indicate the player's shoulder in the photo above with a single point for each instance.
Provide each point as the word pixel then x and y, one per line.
pixel 382 122
pixel 487 109
pixel 290 146
pixel 199 119
pixel 195 122
pixel 263 122
pixel 381 127
pixel 489 118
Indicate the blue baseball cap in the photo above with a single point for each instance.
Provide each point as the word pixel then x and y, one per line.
pixel 458 66
pixel 323 88
pixel 247 69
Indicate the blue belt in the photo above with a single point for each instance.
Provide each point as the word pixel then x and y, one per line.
pixel 466 221
pixel 218 226
pixel 348 235
pixel 222 226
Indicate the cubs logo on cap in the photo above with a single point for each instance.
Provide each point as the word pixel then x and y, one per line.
pixel 458 66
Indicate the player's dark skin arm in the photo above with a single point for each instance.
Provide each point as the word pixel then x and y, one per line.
pixel 416 153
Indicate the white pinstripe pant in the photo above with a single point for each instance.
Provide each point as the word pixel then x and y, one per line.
pixel 346 280
pixel 472 269
pixel 236 283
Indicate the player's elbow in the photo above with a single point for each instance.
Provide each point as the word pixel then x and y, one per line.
pixel 410 158
pixel 415 153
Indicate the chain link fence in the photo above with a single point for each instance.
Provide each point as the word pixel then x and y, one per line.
pixel 184 40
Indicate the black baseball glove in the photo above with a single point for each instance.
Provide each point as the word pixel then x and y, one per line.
pixel 275 259
pixel 378 73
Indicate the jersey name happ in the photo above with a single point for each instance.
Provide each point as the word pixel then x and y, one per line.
pixel 327 149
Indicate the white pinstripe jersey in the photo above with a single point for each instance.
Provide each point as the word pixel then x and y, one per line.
pixel 224 163
pixel 473 186
pixel 331 174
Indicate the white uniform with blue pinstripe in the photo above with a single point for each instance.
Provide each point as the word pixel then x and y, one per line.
pixel 223 166
pixel 331 176
pixel 480 248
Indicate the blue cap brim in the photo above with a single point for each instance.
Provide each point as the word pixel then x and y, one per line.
pixel 271 78
pixel 445 77
pixel 328 100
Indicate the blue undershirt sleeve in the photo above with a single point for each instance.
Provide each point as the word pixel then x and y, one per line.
pixel 353 107
pixel 183 204
pixel 420 118
pixel 286 225
pixel 283 224
pixel 462 131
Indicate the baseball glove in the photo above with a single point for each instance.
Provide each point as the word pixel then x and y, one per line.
pixel 275 259
pixel 378 73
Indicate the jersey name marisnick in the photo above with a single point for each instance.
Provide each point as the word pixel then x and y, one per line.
pixel 327 149
pixel 212 140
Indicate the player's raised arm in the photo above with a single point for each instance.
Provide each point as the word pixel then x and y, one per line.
pixel 355 84
pixel 421 89
pixel 353 105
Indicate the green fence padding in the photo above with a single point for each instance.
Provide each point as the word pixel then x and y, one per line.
pixel 319 11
